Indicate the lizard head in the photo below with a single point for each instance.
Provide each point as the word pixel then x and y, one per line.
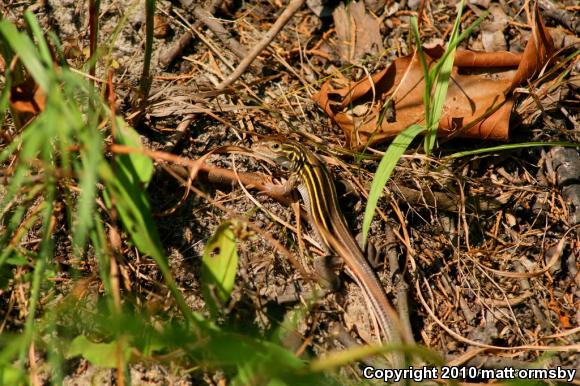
pixel 278 149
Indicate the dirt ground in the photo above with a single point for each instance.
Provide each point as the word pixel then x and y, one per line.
pixel 487 245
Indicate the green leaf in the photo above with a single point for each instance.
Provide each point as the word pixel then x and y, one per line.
pixel 383 173
pixel 6 274
pixel 438 76
pixel 140 163
pixel 219 267
pixel 125 188
pixel 133 207
pixel 43 50
pixel 237 349
pixel 99 354
pixel 425 66
pixel 17 260
pixel 124 191
pixel 88 177
pixel 23 46
pixel 441 75
pixel 10 375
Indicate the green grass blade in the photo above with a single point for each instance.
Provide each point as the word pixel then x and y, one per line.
pixel 453 43
pixel 510 146
pixel 219 267
pixel 5 95
pixel 426 78
pixel 440 77
pixel 99 243
pixel 30 148
pixel 10 373
pixel 46 253
pixel 23 46
pixel 43 49
pixel 11 148
pixel 88 178
pixel 132 204
pixel 383 173
pixel 466 32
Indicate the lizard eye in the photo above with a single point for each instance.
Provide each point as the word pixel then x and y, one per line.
pixel 275 146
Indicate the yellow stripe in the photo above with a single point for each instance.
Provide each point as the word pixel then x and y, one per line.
pixel 333 230
pixel 314 185
pixel 313 178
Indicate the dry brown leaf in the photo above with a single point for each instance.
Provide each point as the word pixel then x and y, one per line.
pixel 26 101
pixel 563 38
pixel 492 36
pixel 358 32
pixel 478 103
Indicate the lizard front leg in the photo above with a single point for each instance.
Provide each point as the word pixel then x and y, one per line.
pixel 284 189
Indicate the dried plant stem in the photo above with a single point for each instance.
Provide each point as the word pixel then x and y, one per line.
pixel 460 338
pixel 262 44
pixel 94 6
pixel 169 56
pixel 218 29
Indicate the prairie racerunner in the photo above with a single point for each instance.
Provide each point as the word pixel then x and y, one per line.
pixel 316 187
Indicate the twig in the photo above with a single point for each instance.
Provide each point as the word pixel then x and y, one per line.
pixel 174 51
pixel 218 29
pixel 532 303
pixel 34 380
pixel 460 338
pixel 214 174
pixel 277 245
pixel 178 134
pixel 509 302
pixel 262 44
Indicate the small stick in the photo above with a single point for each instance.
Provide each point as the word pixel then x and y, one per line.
pixel 218 29
pixel 262 44
pixel 174 51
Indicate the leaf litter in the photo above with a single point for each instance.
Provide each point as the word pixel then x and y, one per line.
pixel 479 226
pixel 478 104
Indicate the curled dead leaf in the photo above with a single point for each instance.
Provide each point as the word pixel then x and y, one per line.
pixel 479 99
pixel 26 101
